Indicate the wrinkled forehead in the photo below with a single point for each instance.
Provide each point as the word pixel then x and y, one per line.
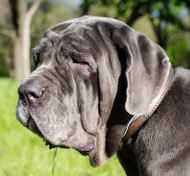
pixel 80 34
pixel 73 34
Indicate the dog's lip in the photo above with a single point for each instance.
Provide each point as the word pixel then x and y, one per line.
pixel 33 127
pixel 88 147
pixel 86 150
pixel 51 145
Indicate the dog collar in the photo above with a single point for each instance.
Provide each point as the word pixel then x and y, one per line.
pixel 136 122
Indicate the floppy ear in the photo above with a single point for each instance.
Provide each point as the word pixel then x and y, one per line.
pixel 108 70
pixel 147 68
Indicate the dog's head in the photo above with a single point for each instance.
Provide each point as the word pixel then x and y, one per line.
pixel 91 74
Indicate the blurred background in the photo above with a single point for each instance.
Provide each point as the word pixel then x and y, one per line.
pixel 22 24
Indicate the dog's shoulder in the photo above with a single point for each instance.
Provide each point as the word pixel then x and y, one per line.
pixel 180 95
pixel 182 80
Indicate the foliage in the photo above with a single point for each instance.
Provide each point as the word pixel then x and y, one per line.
pixel 23 153
pixel 178 49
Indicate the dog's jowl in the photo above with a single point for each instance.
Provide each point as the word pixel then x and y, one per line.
pixel 102 88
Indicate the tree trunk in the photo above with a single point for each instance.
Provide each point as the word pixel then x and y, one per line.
pixel 21 66
pixel 22 38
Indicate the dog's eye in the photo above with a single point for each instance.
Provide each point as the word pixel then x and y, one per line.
pixel 82 63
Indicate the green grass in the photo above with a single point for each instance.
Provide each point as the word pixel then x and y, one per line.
pixel 24 154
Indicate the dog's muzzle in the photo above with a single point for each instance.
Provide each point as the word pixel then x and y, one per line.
pixel 31 94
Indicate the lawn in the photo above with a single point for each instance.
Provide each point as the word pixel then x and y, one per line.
pixel 24 154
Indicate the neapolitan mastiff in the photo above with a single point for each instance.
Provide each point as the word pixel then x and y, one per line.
pixel 102 88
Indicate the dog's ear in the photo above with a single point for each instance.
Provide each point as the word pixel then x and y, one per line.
pixel 147 68
pixel 108 69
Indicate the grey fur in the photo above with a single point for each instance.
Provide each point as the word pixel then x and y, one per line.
pixel 87 108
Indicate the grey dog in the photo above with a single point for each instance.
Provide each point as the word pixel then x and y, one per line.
pixel 102 88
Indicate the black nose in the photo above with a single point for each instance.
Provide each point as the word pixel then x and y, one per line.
pixel 31 92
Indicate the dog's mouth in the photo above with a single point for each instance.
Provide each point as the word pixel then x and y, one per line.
pixel 33 127
pixel 84 150
pixel 49 144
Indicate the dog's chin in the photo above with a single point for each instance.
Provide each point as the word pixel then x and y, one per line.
pixel 96 160
pixel 98 157
pixel 96 150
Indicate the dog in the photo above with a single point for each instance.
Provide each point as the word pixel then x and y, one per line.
pixel 103 88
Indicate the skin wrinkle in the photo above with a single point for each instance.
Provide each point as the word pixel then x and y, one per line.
pixel 81 105
pixel 105 44
pixel 95 48
pixel 69 84
pixel 58 80
pixel 48 78
pixel 87 126
pixel 70 134
pixel 39 52
pixel 99 95
pixel 56 59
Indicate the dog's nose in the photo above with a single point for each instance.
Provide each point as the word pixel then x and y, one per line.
pixel 31 92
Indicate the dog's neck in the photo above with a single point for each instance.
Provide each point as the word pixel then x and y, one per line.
pixel 137 122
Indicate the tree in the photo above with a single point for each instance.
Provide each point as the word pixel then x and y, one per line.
pixel 21 20
pixel 49 13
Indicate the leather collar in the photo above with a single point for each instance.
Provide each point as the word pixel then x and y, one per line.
pixel 137 122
